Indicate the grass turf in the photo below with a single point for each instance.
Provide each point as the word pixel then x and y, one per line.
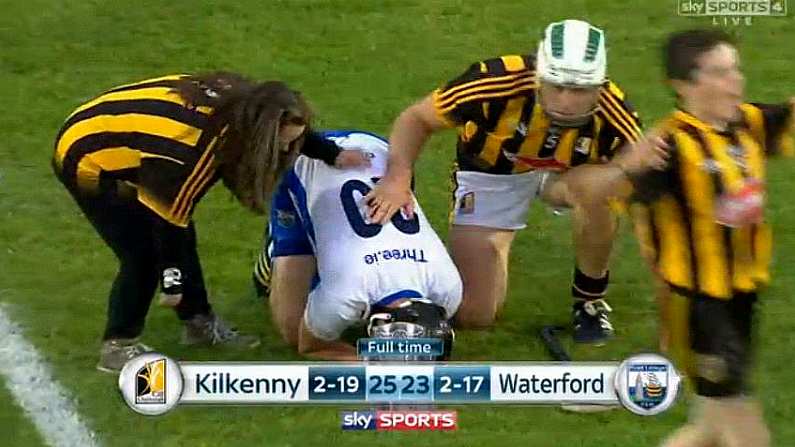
pixel 360 63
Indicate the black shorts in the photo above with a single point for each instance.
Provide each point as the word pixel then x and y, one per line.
pixel 715 342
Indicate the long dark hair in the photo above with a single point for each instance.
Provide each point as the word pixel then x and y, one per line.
pixel 246 119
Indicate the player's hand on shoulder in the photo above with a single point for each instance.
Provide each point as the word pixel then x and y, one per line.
pixel 352 159
pixel 387 198
pixel 649 153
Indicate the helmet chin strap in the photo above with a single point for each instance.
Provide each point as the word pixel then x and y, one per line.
pixel 569 121
pixel 572 121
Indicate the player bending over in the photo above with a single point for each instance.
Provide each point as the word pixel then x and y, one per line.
pixel 336 269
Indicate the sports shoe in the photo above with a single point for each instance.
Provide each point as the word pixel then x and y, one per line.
pixel 115 353
pixel 210 330
pixel 591 324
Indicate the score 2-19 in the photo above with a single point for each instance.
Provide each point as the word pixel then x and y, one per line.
pixel 342 384
pixel 330 383
pixel 390 384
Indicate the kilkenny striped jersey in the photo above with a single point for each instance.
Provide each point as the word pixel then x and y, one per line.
pixel 503 130
pixel 144 134
pixel 687 215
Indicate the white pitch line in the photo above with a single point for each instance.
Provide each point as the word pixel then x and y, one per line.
pixel 44 401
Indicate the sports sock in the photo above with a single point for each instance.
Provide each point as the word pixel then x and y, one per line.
pixel 584 288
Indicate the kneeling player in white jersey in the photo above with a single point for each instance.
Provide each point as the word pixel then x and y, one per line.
pixel 398 276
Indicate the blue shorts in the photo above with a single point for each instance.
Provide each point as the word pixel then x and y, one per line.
pixel 288 235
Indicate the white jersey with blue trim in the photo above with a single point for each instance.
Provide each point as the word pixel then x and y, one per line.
pixel 361 263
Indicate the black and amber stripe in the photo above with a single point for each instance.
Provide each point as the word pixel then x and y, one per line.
pixel 678 230
pixel 169 81
pixel 262 269
pixel 772 125
pixel 490 88
pixel 613 107
pixel 503 129
pixel 502 77
pixel 196 183
pixel 138 128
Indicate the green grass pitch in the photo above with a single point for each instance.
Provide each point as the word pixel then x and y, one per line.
pixel 360 62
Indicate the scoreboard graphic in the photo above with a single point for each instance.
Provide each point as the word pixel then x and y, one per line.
pixel 644 384
pixel 398 383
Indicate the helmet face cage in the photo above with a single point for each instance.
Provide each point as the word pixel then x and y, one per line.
pixel 569 121
pixel 396 329
pixel 418 318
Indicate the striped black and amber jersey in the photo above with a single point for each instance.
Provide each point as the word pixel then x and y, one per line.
pixel 503 130
pixel 145 134
pixel 678 211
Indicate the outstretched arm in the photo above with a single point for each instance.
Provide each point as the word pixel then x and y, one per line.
pixel 410 132
pixel 649 154
pixel 315 146
pixel 315 348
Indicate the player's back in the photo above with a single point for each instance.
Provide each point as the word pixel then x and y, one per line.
pixel 355 256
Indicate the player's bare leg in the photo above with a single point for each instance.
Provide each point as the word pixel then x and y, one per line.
pixel 594 230
pixel 481 255
pixel 594 222
pixel 740 422
pixel 691 435
pixel 698 432
pixel 667 325
pixel 723 422
pixel 290 283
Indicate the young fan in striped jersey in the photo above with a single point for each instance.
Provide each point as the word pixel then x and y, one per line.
pixel 701 223
pixel 524 123
pixel 138 158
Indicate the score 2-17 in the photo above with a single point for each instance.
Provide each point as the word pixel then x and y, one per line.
pixel 462 383
pixel 404 383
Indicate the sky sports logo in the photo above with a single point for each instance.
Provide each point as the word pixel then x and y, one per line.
pixel 399 420
pixel 732 7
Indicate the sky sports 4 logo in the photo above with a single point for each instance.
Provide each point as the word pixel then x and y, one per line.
pixel 399 420
pixel 732 7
